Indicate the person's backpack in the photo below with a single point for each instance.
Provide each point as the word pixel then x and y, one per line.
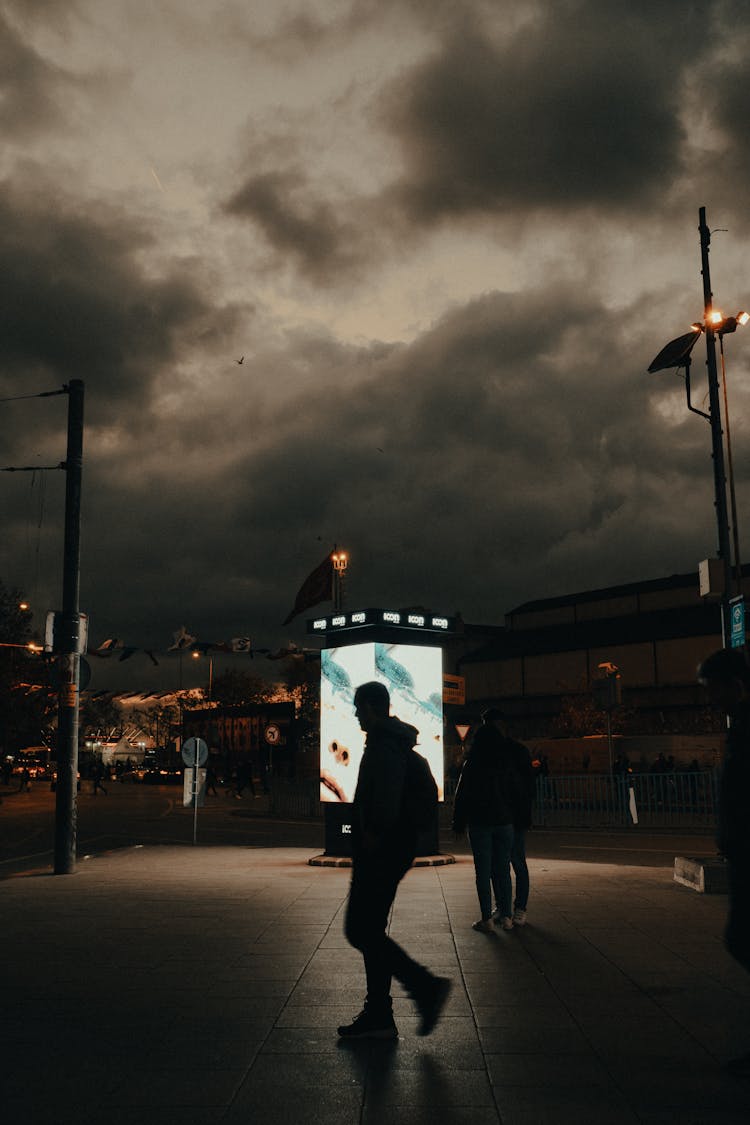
pixel 420 793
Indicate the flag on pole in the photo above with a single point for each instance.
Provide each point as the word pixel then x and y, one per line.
pixel 106 648
pixel 281 653
pixel 114 644
pixel 182 640
pixel 317 587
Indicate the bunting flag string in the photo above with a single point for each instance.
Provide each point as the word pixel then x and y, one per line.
pixel 183 642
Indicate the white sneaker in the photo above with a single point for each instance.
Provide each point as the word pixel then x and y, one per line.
pixel 484 925
pixel 504 923
pixel 519 917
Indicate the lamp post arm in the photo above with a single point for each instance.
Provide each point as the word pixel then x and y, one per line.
pixel 690 406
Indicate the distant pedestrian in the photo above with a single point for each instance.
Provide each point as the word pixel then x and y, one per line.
pixel 25 785
pixel 244 778
pixel 384 843
pixel 99 774
pixel 621 764
pixel 493 801
pixel 211 780
pixel 726 676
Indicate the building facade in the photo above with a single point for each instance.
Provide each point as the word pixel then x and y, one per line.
pixel 542 667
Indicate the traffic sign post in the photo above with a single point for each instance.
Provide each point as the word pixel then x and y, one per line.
pixel 737 619
pixel 194 755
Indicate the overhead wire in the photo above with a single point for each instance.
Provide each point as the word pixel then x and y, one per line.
pixel 39 394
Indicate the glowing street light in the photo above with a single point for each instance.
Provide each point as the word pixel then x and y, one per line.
pixel 340 561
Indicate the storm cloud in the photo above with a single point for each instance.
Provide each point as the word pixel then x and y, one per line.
pixel 387 276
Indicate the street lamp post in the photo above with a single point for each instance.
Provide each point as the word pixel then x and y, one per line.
pixel 676 354
pixel 714 408
pixel 196 656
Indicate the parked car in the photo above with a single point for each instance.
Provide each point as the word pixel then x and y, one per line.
pixel 137 774
pixel 36 767
pixel 53 780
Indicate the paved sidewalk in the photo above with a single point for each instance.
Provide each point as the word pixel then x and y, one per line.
pixel 159 986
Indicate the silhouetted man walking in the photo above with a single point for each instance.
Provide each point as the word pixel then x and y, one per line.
pixel 384 843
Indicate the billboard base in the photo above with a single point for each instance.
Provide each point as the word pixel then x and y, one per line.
pixel 324 860
pixel 338 840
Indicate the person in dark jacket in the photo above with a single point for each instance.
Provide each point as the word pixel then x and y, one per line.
pixel 726 676
pixel 384 843
pixel 493 800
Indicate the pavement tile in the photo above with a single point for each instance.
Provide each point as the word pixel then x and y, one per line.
pixel 302 1041
pixel 656 1038
pixel 669 1084
pixel 175 1086
pixel 414 1053
pixel 615 1005
pixel 554 1105
pixel 536 1070
pixel 165 1115
pixel 690 1116
pixel 551 1014
pixel 523 1040
pixel 294 1071
pixel 338 1105
pixel 430 1115
pixel 431 1084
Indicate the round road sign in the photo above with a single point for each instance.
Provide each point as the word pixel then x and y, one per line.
pixel 195 748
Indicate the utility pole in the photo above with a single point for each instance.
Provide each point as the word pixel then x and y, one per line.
pixel 717 446
pixel 67 644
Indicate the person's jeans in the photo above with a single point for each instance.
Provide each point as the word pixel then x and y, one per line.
pixel 373 888
pixel 491 845
pixel 520 870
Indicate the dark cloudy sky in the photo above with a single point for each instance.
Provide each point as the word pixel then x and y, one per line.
pixel 448 239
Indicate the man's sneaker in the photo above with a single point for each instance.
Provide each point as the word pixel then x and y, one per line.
pixel 484 925
pixel 369 1026
pixel 430 1003
pixel 519 917
pixel 503 923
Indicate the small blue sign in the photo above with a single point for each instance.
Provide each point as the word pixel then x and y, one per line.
pixel 737 618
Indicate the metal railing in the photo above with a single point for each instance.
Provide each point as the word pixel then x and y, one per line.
pixel 650 800
pixel 659 800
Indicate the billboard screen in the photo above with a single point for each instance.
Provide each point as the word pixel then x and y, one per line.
pixel 413 675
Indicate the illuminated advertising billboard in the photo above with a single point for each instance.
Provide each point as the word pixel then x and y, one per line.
pixel 413 675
